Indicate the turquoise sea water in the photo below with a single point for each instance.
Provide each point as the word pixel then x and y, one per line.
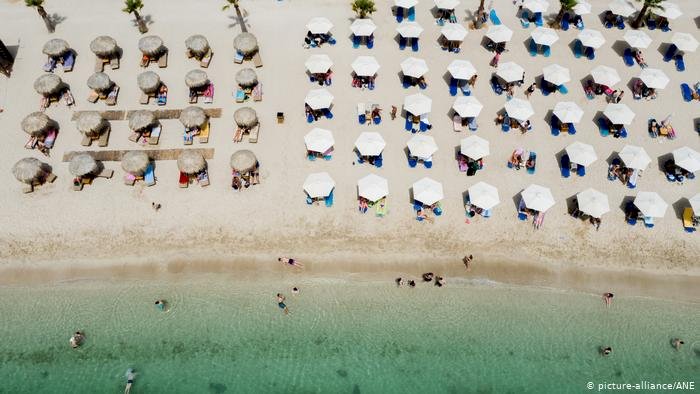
pixel 225 335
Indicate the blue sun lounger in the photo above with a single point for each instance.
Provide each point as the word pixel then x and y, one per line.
pixel 620 22
pixel 627 57
pixel 565 22
pixel 414 44
pixel 355 41
pixel 453 87
pixel 408 125
pixel 580 170
pixel 412 161
pixel 538 19
pixel 590 53
pixel 533 157
pixel 496 87
pixel 565 166
pixel 680 64
pixel 651 24
pixel 473 126
pixel 572 129
pixel 399 14
pixel 402 43
pixel 494 17
pixel 406 82
pixel 466 89
pixel 327 113
pixel 423 126
pixel 412 14
pixel 532 47
pixel 603 126
pixel 546 50
pixel 370 41
pixel 578 49
pixel 428 163
pixel 329 199
pixel 687 93
pixel 555 125
pixel 149 176
pixel 525 19
pixel 670 52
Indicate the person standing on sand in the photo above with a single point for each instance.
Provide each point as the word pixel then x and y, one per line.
pixel 290 261
pixel 281 304
pixel 607 298
pixel 393 112
pixel 530 90
pixel 677 342
pixel 467 260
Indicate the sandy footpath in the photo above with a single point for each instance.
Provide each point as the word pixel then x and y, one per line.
pixel 109 223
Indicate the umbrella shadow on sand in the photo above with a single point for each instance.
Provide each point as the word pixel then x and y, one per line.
pixel 625 200
pixel 679 206
pixel 661 160
pixel 619 47
pixel 571 204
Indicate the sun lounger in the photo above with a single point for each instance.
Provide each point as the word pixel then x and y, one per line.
pixel 414 44
pixel 555 125
pixel 670 52
pixel 155 135
pixel 402 43
pixel 103 139
pixel 86 140
pixel 412 14
pixel 457 122
pixel 327 113
pixel 627 57
pixel 129 179
pixel 532 47
pixel 603 127
pixel 538 19
pixel 355 41
pixel 329 200
pixel 184 180
pixel 525 19
pixel 381 208
pixel 112 96
pixel 686 92
pixel 68 61
pixel 31 143
pixel 473 126
pixel 453 87
pixel 50 65
pixel 206 59
pixel 680 64
pixel 648 222
pixel 563 89
pixel 50 138
pixel 253 133
pixel 565 22
pixel 163 60
pixel 361 113
pixel 578 49
pixel 408 125
pixel 93 97
pixel 203 178
pixel 105 173
pixel 257 92
pixel 580 170
pixel 145 98
pixel 632 181
pixel 370 41
pixel 533 157
pixel 412 162
pixel 590 53
pixel 494 18
pixel 688 220
pixel 114 62
pixel 651 23
pixel 546 50
pixel 257 60
pixel 565 166
pixel 505 126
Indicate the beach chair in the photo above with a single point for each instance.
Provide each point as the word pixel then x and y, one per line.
pixel 257 92
pixel 563 89
pixel 257 60
pixel 496 87
pixel 402 43
pixel 457 123
pixel 437 210
pixel 565 166
pixel 100 64
pixel 688 220
pixel 68 61
pixel 203 136
pixel 206 59
pixel 632 181
pixel 664 26
pixel 149 177
pixel 355 41
pixel 580 170
pixel 50 138
pixel 163 60
pixel 453 87
pixel 555 125
pixel 627 57
pixel 412 14
pixel 494 18
pixel 114 62
pixel 50 65
pixel 680 64
pixel 603 127
pixel 327 113
pixel 533 157
pixel 240 96
pixel 408 125
pixel 370 41
pixel 623 132
pixel 532 48
pixel 414 44
pixel 620 22
pixel 670 52
pixel 253 134
pixel 651 23
pixel 578 49
pixel 184 180
pixel 93 97
pixel 399 14
pixel 112 96
pixel 686 92
pixel 546 50
pixel 144 98
pixel 546 88
pixel 361 113
pixel 505 126
pixel 412 162
pixel 423 126
pixel 208 93
pixel 572 129
pixel 565 22
pixel 378 161
pixel 590 53
pixel 406 82
pixel 86 140
pixel 648 221
pixel 538 19
pixel 329 200
pixel 525 19
pixel 473 126
pixel 155 135
pixel 238 57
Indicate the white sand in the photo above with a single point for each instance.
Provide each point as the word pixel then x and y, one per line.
pixel 109 221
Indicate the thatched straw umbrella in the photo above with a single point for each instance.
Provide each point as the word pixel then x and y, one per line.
pixel 82 164
pixel 243 161
pixel 104 46
pixel 148 81
pixel 55 47
pixel 197 44
pixel 141 119
pixel 36 124
pixel 196 79
pixel 135 162
pixel 151 45
pixel 48 84
pixel 247 78
pixel 245 117
pixel 191 161
pixel 193 116
pixel 91 123
pixel 245 43
pixel 99 82
pixel 29 169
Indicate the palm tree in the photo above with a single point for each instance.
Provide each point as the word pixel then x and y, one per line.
pixel 42 12
pixel 566 5
pixel 649 5
pixel 363 7
pixel 477 19
pixel 133 7
pixel 241 22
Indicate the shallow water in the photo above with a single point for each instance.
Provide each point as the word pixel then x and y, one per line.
pixel 228 336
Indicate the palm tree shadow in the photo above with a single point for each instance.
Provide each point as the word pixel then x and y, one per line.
pixel 56 19
pixel 147 20
pixel 235 21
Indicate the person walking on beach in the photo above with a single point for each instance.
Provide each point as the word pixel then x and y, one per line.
pixel 129 380
pixel 393 112
pixel 467 260
pixel 677 342
pixel 281 304
pixel 607 298
pixel 530 90
pixel 290 261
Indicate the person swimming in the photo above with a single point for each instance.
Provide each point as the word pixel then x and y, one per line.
pixel 412 283
pixel 290 261
pixel 281 304
pixel 160 305
pixel 677 342
pixel 77 339
pixel 428 277
pixel 399 281
pixel 606 351
pixel 439 281
pixel 607 298
pixel 130 375
pixel 295 290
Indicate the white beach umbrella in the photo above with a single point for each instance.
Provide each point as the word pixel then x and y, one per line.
pixel 556 74
pixel 363 27
pixel 687 158
pixel 582 7
pixel 474 147
pixel 461 69
pixel 510 71
pixel 635 157
pixel 593 202
pixel 365 66
pixel 669 10
pixel 446 4
pixel 483 195
pixel 373 187
pixel 568 112
pixel 622 7
pixel 536 5
pixel 318 64
pixel 592 38
pixel 370 143
pixel 685 42
pixel 417 104
pixel 422 146
pixel 695 204
pixel 427 191
pixel 319 140
pixel 467 106
pixel 414 67
pixel 544 36
pixel 654 78
pixel 651 204
pixel 319 25
pixel 405 3
pixel 605 75
pixel 319 99
pixel 319 184
pixel 537 197
pixel 619 113
pixel 581 153
pixel 499 33
pixel 409 29
pixel 637 39
pixel 454 32
pixel 519 109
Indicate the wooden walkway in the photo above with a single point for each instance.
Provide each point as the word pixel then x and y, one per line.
pixel 154 154
pixel 159 113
